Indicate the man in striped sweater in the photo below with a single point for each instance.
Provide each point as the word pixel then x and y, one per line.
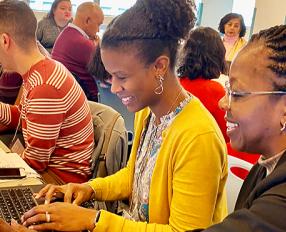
pixel 53 112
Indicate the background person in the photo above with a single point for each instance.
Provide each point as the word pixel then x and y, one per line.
pixel 53 112
pixel 177 144
pixel 76 43
pixel 56 20
pixel 203 60
pixel 233 28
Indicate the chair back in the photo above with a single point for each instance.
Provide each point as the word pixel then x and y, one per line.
pixel 234 182
pixel 111 146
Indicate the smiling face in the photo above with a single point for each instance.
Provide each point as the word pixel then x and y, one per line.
pixel 132 81
pixel 232 27
pixel 253 121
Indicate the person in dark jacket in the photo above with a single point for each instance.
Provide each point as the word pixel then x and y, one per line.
pixel 255 105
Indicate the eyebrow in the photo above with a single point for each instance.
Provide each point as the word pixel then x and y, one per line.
pixel 118 73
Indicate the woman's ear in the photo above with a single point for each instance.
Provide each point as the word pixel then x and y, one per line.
pixel 161 65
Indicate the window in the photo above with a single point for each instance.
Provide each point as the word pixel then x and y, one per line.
pixel 109 7
pixel 245 8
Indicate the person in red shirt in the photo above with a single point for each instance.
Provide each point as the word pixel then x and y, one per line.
pixel 203 60
pixel 53 112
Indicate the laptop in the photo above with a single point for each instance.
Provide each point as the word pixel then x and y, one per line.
pixel 15 201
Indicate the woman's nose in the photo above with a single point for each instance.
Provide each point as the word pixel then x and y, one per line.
pixel 115 86
pixel 223 103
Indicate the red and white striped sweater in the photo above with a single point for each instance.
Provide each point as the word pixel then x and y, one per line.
pixel 56 122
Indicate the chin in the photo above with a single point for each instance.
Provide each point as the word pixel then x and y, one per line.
pixel 236 145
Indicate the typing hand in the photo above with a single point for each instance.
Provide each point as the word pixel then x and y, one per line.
pixel 59 216
pixel 14 227
pixel 72 193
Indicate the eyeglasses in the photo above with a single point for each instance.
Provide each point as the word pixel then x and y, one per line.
pixel 236 95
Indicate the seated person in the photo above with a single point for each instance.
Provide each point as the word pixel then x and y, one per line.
pixel 51 25
pixel 257 85
pixel 255 104
pixel 203 60
pixel 177 144
pixel 76 43
pixel 53 112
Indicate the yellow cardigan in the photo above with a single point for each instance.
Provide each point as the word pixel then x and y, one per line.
pixel 188 184
pixel 239 44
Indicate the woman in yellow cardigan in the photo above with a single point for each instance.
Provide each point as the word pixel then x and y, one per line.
pixel 175 178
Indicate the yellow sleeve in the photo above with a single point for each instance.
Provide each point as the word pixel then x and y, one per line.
pixel 194 193
pixel 114 187
pixel 119 185
pixel 199 176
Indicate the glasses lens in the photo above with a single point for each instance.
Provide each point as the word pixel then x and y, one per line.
pixel 228 92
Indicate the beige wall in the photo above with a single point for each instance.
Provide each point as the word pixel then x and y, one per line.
pixel 269 13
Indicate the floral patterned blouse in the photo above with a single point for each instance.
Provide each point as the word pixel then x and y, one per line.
pixel 150 143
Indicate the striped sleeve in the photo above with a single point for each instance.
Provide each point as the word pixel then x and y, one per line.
pixel 44 117
pixel 9 115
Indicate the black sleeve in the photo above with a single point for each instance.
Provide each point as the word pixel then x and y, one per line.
pixel 266 214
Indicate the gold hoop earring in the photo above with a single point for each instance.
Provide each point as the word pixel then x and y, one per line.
pixel 283 127
pixel 159 90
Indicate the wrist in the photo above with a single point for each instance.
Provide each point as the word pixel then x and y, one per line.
pixel 93 220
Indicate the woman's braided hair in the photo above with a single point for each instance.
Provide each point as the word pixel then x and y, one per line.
pixel 275 40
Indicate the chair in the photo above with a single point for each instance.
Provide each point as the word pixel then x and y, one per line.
pixel 234 182
pixel 107 98
pixel 111 150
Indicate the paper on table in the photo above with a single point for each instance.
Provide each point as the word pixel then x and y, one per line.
pixel 8 160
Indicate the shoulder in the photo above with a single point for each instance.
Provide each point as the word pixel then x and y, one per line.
pixel 45 21
pixel 194 122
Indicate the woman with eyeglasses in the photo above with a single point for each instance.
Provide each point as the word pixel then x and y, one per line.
pixel 255 106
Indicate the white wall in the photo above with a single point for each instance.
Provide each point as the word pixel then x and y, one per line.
pixel 214 10
pixel 269 13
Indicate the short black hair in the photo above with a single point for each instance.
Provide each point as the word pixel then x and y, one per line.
pixel 152 28
pixel 203 55
pixel 18 20
pixel 229 17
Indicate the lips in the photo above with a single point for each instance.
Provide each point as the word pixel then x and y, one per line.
pixel 126 100
pixel 231 126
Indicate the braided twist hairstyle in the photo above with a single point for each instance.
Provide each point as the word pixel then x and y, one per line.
pixel 275 40
pixel 152 28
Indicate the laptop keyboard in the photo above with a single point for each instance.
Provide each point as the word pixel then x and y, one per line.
pixel 15 202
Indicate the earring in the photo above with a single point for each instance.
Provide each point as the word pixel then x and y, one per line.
pixel 159 90
pixel 283 127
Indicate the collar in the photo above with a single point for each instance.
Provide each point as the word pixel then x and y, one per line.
pixel 78 29
pixel 271 162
